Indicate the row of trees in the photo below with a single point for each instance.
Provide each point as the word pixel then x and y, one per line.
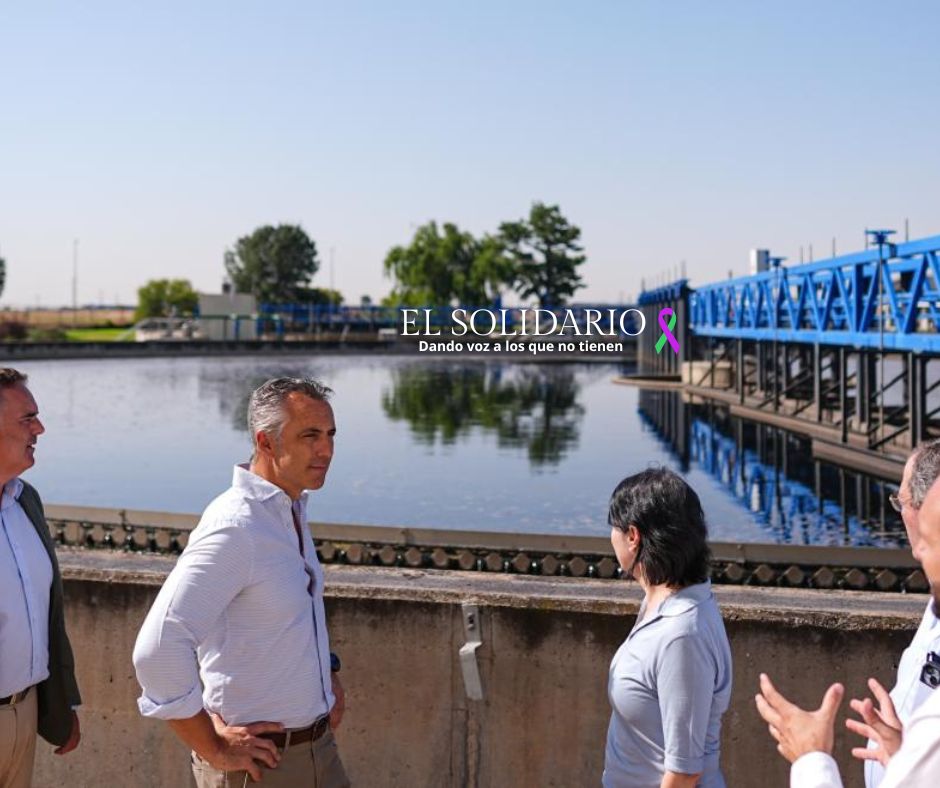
pixel 537 257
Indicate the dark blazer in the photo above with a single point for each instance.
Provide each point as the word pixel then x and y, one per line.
pixel 58 693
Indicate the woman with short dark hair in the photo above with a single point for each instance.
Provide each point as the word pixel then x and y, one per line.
pixel 670 681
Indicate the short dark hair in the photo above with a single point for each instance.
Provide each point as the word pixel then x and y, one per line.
pixel 10 377
pixel 668 514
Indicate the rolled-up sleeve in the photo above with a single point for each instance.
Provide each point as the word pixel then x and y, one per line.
pixel 209 574
pixel 685 682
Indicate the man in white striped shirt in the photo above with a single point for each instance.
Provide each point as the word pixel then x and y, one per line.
pixel 805 738
pixel 245 601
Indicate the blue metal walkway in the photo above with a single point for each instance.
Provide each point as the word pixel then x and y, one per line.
pixel 885 297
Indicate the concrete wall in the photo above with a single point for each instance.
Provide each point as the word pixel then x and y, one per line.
pixel 546 648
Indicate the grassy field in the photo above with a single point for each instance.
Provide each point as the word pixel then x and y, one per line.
pixel 99 335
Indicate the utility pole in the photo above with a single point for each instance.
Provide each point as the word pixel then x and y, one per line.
pixel 74 283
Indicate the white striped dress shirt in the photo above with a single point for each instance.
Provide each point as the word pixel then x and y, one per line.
pixel 237 601
pixel 25 584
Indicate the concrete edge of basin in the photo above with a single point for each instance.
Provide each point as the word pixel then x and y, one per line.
pixel 795 607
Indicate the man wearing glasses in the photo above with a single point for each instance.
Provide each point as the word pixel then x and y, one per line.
pixel 919 668
pixel 245 601
pixel 907 742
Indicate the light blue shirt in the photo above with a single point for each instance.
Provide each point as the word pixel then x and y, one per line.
pixel 237 601
pixel 669 685
pixel 25 584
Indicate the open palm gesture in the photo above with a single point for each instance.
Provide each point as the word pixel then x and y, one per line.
pixel 881 725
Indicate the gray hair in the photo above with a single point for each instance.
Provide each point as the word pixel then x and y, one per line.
pixel 10 377
pixel 266 405
pixel 925 471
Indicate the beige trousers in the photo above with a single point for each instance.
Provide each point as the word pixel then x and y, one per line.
pixel 307 765
pixel 18 742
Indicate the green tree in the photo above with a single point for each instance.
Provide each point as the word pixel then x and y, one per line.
pixel 535 409
pixel 319 296
pixel 546 254
pixel 445 264
pixel 274 264
pixel 165 297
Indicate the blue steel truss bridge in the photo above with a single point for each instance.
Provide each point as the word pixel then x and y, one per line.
pixel 842 350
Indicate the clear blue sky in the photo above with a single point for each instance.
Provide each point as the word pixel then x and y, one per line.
pixel 158 133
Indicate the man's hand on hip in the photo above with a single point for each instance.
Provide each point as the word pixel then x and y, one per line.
pixel 239 747
pixel 339 708
pixel 796 731
pixel 229 747
pixel 74 737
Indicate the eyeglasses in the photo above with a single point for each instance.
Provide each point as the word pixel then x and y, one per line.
pixel 897 503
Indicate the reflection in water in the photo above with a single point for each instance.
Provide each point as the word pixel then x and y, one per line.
pixel 796 499
pixel 231 388
pixel 525 406
pixel 437 443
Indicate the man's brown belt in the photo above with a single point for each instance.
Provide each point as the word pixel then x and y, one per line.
pixel 311 733
pixel 16 697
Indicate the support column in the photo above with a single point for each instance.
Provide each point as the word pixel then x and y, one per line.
pixel 844 392
pixel 775 364
pixel 759 358
pixel 864 378
pixel 917 398
pixel 817 381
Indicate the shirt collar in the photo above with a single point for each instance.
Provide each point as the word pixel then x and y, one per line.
pixel 259 489
pixel 11 492
pixel 685 599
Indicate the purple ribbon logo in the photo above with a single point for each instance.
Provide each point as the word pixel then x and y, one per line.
pixel 667 330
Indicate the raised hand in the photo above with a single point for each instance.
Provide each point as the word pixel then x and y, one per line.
pixel 881 725
pixel 795 730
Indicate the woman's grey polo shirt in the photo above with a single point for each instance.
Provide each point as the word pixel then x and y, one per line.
pixel 669 684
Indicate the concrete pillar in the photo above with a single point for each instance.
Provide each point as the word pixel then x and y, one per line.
pixel 916 396
pixel 817 381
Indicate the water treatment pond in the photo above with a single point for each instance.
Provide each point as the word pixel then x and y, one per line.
pixel 445 444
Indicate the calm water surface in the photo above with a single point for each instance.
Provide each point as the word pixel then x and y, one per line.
pixel 446 444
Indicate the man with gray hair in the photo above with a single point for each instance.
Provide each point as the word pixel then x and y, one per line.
pixel 919 668
pixel 805 738
pixel 38 691
pixel 245 602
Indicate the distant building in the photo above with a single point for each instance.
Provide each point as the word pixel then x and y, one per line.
pixel 759 261
pixel 227 316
